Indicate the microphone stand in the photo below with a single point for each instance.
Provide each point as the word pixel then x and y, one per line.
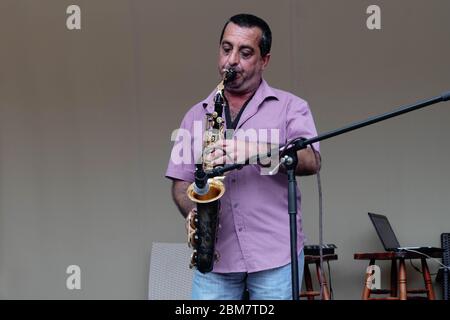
pixel 288 155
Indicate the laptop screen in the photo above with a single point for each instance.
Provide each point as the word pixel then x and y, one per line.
pixel 384 231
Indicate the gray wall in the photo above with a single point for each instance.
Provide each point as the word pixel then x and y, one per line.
pixel 86 118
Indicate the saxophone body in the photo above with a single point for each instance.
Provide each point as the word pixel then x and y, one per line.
pixel 203 225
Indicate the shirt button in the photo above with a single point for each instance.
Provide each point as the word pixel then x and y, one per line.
pixel 233 180
pixel 235 205
pixel 240 229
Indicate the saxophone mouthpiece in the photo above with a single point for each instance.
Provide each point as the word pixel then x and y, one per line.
pixel 230 75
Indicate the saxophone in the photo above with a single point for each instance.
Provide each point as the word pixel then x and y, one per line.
pixel 203 224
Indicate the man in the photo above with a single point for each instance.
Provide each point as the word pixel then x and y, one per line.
pixel 253 238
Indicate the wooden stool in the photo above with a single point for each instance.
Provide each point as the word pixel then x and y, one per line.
pixel 310 293
pixel 398 279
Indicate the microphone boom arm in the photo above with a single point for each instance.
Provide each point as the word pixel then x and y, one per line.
pixel 302 143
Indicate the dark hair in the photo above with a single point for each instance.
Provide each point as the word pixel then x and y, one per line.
pixel 250 21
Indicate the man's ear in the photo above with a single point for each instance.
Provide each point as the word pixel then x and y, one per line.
pixel 265 61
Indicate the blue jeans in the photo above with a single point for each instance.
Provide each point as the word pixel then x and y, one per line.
pixel 272 284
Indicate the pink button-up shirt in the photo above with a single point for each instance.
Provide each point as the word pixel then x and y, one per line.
pixel 254 220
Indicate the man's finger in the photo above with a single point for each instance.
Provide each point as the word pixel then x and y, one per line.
pixel 219 161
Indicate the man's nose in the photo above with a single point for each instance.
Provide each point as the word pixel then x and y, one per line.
pixel 233 58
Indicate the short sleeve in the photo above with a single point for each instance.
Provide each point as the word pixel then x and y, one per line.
pixel 299 121
pixel 181 163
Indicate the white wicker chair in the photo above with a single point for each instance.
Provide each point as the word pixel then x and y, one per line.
pixel 170 277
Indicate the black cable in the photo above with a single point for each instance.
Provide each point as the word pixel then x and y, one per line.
pixel 414 266
pixel 329 280
pixel 417 269
pixel 319 187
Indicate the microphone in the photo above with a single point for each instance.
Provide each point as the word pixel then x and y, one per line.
pixel 201 185
pixel 446 96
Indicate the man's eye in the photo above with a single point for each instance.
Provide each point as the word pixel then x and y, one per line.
pixel 226 50
pixel 246 54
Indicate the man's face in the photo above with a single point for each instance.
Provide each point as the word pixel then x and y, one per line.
pixel 239 49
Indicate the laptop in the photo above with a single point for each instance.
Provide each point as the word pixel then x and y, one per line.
pixel 389 239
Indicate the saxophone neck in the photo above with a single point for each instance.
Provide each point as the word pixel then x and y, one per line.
pixel 220 94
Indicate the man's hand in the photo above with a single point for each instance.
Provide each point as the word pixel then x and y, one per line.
pixel 239 151
pixel 231 151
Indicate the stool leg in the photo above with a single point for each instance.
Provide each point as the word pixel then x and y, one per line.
pixel 394 290
pixel 402 279
pixel 367 283
pixel 308 282
pixel 322 279
pixel 427 280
